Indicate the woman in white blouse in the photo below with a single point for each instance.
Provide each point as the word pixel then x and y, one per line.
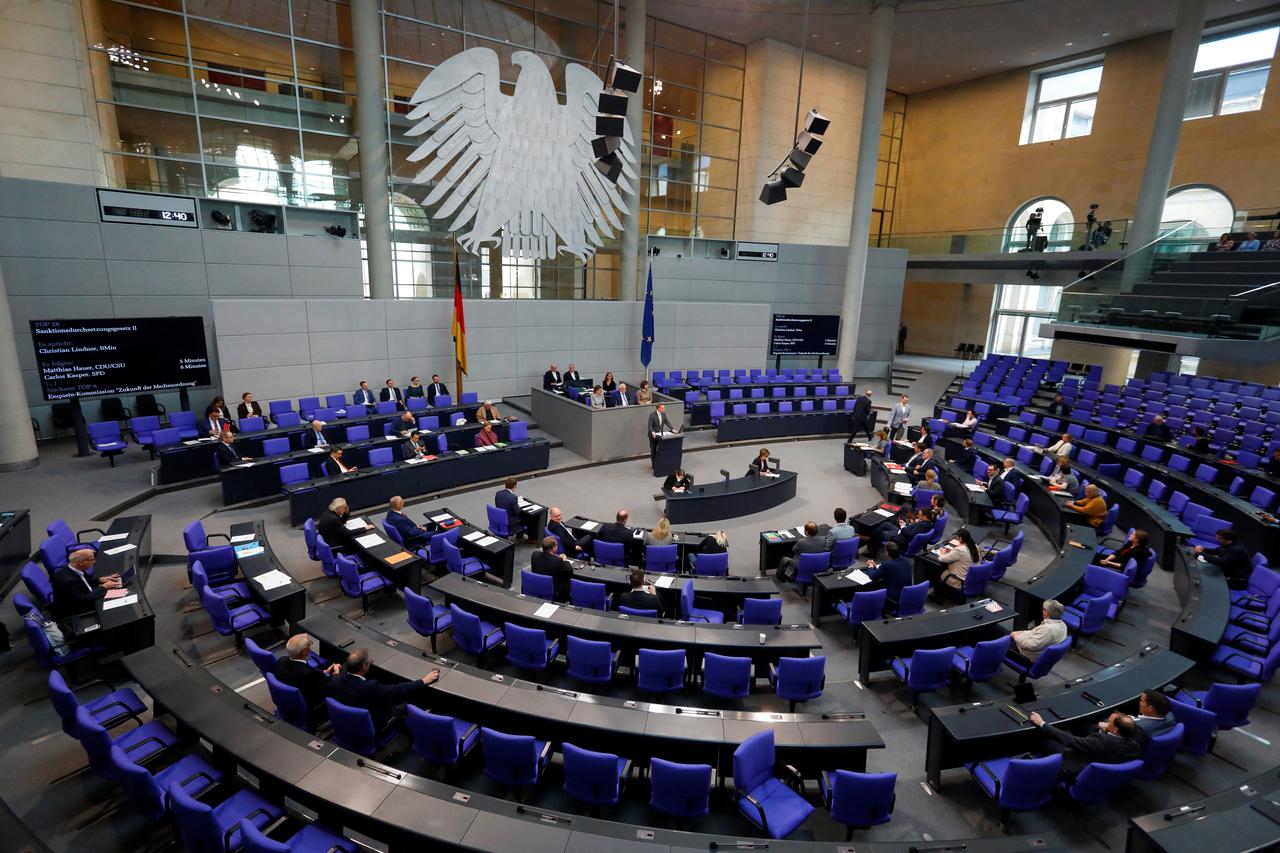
pixel 958 555
pixel 1062 447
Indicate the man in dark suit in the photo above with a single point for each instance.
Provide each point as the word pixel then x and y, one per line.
pixel 862 418
pixel 415 388
pixel 1059 406
pixel 638 598
pixel 506 499
pixel 918 522
pixel 414 535
pixel 555 566
pixel 571 376
pixel 573 545
pixel 73 591
pixel 677 481
pixel 363 395
pixel 331 524
pixel 1231 557
pixel 225 454
pixel 616 531
pixel 294 670
pixel 925 463
pixel 966 456
pixel 1158 430
pixel 314 437
pixel 621 397
pixel 1113 742
pixel 895 572
pixel 333 466
pixel 247 408
pixel 414 448
pixel 391 392
pixel 215 425
pixel 1153 717
pixel 658 424
pixel 552 380
pixel 810 543
pixel 384 702
pixel 436 389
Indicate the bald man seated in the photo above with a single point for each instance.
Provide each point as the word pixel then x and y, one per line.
pixel 413 535
pixel 74 591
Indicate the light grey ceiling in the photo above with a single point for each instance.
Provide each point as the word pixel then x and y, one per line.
pixel 940 42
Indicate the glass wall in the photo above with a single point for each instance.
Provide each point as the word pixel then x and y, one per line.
pixel 1019 311
pixel 255 101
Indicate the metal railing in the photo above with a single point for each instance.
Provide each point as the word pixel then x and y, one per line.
pixel 1060 237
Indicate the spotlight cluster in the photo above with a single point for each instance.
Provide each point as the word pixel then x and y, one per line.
pixel 790 172
pixel 611 118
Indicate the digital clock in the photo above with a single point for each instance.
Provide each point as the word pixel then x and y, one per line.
pixel 147 208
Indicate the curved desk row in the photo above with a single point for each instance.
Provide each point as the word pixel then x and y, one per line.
pixel 127 623
pixel 731 498
pixel 260 478
pixel 194 459
pixel 979 730
pixel 371 487
pixel 881 640
pixel 408 812
pixel 1206 607
pixel 498 555
pixel 626 633
pixel 725 594
pixel 286 602
pixel 635 730
pixel 686 542
pixel 971 501
pixel 780 424
pixel 1247 814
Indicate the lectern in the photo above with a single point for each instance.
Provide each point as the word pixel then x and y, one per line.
pixel 670 451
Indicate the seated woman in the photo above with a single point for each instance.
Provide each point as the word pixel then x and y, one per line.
pixel 1134 548
pixel 957 555
pixel 1063 479
pixel 1272 245
pixel 1091 506
pixel 760 464
pixel 715 544
pixel 596 398
pixel 609 384
pixel 930 482
pixel 486 437
pixel 660 534
pixel 645 394
pixel 1224 244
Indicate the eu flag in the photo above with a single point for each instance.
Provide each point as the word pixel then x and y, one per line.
pixel 646 333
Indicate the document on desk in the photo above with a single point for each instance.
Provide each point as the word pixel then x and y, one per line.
pixel 272 579
pixel 858 576
pixel 591 525
pixel 356 524
pixel 474 536
pixel 665 581
pixel 902 488
pixel 461 451
pixel 546 611
pixel 487 541
pixel 974 487
pixel 787 534
pixel 800 530
pixel 369 540
pixel 120 549
pixel 417 460
pixel 120 602
pixel 113 537
pixel 317 449
pixel 243 537
pixel 883 513
pixel 248 549
pixel 442 518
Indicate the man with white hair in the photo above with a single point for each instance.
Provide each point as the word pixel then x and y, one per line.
pixel 332 524
pixel 314 437
pixel 295 670
pixel 1028 645
pixel 74 591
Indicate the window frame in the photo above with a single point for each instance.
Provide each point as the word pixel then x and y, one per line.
pixel 1220 87
pixel 1034 105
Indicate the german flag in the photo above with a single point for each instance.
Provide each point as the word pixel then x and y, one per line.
pixel 459 322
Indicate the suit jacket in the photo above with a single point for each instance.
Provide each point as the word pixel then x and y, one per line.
pixel 214 425
pixel 73 593
pixel 1234 561
pixel 965 459
pixel 617 398
pixel 900 415
pixel 1157 432
pixel 757 466
pixel 612 531
pixel 809 545
pixel 895 573
pixel 658 422
pixel 570 542
pixel 1202 446
pixel 332 528
pixel 225 454
pixel 638 599
pixel 861 409
pixel 572 376
pixel 379 699
pixel 387 394
pixel 844 530
pixel 409 450
pixel 552 380
pixel 1103 747
pixel 908 532
pixel 362 397
pixel 248 410
pixel 436 389
pixel 557 569
pixel 331 468
pixel 405 526
pixel 673 481
pixel 508 500
pixel 298 673
pixel 1149 727
pixel 1062 409
pixel 311 438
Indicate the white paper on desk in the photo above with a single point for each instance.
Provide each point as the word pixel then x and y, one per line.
pixel 974 487
pixel 369 540
pixel 417 460
pixel 206 438
pixel 902 488
pixel 590 525
pixel 354 524
pixel 665 581
pixel 442 518
pixel 120 549
pixel 112 537
pixel 546 610
pixel 272 579
pixel 190 442
pixel 317 449
pixel 243 537
pixel 244 465
pixel 461 451
pixel 786 534
pixel 800 530
pixel 487 541
pixel 531 508
pixel 120 602
pixel 858 576
pixel 474 535
pixel 883 513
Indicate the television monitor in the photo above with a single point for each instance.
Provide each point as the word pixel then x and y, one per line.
pixel 804 334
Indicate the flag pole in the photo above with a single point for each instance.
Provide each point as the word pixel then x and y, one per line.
pixel 457 365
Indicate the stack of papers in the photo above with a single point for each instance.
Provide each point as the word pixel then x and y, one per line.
pixel 787 534
pixel 415 461
pixel 120 602
pixel 902 488
pixel 250 549
pixel 799 529
pixel 590 525
pixel 112 537
pixel 442 518
pixel 487 541
pixel 546 610
pixel 273 579
pixel 858 576
pixel 884 513
pixel 369 540
pixel 474 536
pixel 974 487
pixel 317 449
pixel 460 451
pixel 243 537
pixel 120 549
pixel 665 581
pixel 356 524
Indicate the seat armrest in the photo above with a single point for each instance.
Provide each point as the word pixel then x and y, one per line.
pixel 146 741
pixel 764 822
pixel 545 754
pixel 97 530
pixel 226 836
pixel 225 536
pixel 982 765
pixel 463 740
pixel 491 633
pixel 793 777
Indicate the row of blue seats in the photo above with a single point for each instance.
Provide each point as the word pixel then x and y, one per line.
pixel 743 376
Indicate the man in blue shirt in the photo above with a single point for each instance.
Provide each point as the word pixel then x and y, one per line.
pixel 1250 243
pixel 414 535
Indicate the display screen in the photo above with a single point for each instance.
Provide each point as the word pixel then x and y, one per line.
pixel 94 358
pixel 804 334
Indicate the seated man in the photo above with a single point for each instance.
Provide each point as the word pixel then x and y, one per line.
pixel 966 456
pixel 314 437
pixel 552 380
pixel 616 531
pixel 488 412
pixel 1063 479
pixel 1059 406
pixel 842 529
pixel 571 375
pixel 1061 447
pixel 1154 718
pixel 573 544
pixel 294 670
pixel 391 393
pixel 810 543
pixel 384 702
pixel 332 524
pixel 225 451
pixel 407 423
pixel 1231 557
pixel 1027 645
pixel 414 535
pixel 1158 430
pixel 925 463
pixel 74 592
pixel 507 499
pixel 1113 742
pixel 678 482
pixel 896 572
pixel 640 596
pixel 436 389
pixel 621 397
pixel 333 466
pixel 414 448
pixel 363 395
pixel 556 566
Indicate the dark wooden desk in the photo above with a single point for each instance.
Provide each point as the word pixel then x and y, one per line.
pixel 1247 814
pixel 731 499
pixel 1206 607
pixel 686 542
pixel 881 640
pixel 724 594
pixel 499 556
pixel 287 603
pixel 780 424
pixel 122 627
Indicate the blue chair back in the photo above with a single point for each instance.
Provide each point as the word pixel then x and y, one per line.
pixel 660 671
pixel 291 705
pixel 422 614
pixel 357 433
pixel 499 522
pixel 295 473
pixel 843 553
pixel 139 785
pixel 988 658
pixel 712 565
pixel 526 647
pixel 811 564
pixel 660 558
pixel 977 578
pixel 352 728
pixel 1099 783
pixel 591 777
pixel 862 800
pixel 380 456
pixel 589 660
pixel 38 584
pixel 610 553
pixel 1028 782
pixel 1231 703
pixel 247 424
pixel 264 660
pixel 867 606
pixel 1048 658
pixel 725 676
pixel 1200 727
pixel 930 668
pixel 761 611
pixel 435 737
pixel 801 679
pixel 510 759
pixel 588 594
pixel 1159 752
pixel 539 586
pixel 680 790
pixel 912 598
pixel 517 431
pixel 275 446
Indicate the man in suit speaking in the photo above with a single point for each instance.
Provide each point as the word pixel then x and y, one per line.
pixel 658 424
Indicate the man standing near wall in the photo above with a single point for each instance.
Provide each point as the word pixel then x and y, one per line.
pixel 899 417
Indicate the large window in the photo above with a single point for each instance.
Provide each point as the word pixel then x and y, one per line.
pixel 1231 73
pixel 1064 103
pixel 1056 232
pixel 1199 213
pixel 1020 309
